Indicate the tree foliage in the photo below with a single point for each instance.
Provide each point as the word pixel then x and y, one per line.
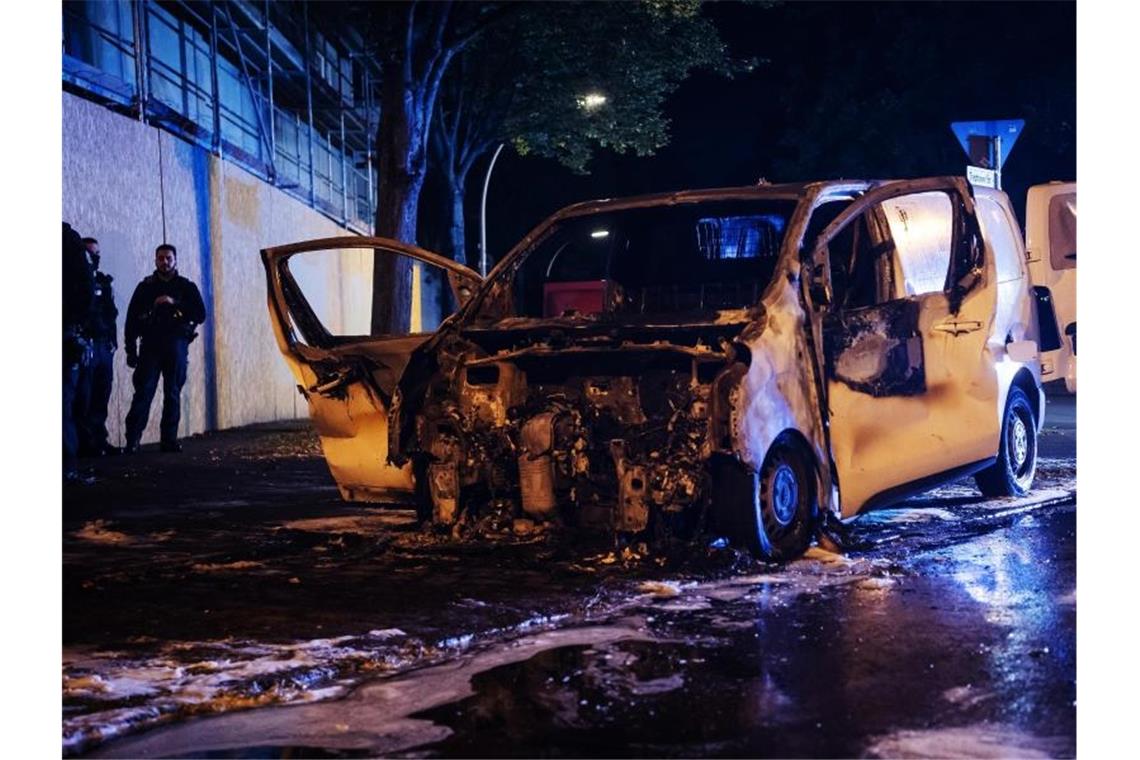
pixel 634 54
pixel 525 82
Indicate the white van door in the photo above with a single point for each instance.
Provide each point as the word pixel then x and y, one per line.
pixel 320 306
pixel 912 391
pixel 1051 250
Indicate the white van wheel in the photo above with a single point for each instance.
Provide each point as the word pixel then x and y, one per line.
pixel 1012 473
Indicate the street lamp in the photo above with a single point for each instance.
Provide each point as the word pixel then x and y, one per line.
pixel 592 101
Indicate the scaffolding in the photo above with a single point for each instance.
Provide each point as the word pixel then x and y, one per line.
pixel 287 95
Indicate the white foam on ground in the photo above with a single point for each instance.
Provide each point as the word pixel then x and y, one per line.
pixel 222 567
pixel 224 675
pixel 966 696
pixel 374 717
pixel 186 678
pixel 101 532
pixel 658 685
pixel 360 524
pixel 817 570
pixel 98 531
pixel 904 515
pixel 662 589
pixel 981 740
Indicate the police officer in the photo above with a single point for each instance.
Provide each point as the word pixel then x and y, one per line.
pixel 163 312
pixel 96 377
pixel 78 297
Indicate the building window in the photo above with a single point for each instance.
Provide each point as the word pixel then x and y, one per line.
pixel 99 47
pixel 180 76
pixel 239 111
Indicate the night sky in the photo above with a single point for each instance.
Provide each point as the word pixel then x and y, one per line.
pixel 852 89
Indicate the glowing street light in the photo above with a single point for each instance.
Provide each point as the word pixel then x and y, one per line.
pixel 592 101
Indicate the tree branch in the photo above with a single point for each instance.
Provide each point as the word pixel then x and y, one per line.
pixel 409 44
pixel 473 153
pixel 487 19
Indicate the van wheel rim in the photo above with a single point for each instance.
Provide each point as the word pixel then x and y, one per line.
pixel 785 494
pixel 1020 443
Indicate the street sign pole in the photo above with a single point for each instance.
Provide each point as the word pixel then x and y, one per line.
pixel 997 162
pixel 987 145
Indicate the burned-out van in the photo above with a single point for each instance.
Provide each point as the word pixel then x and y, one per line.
pixel 758 356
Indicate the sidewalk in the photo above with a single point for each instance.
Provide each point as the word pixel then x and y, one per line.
pixel 253 467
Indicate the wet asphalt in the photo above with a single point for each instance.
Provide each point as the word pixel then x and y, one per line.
pixel 225 603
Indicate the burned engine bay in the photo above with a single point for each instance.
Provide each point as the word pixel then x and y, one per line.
pixel 591 424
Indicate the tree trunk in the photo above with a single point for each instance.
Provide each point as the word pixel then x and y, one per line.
pixel 456 184
pixel 401 169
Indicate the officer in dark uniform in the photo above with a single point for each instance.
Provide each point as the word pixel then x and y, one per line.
pixel 163 312
pixel 96 378
pixel 78 297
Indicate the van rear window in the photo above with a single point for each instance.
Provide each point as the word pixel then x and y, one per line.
pixel 1063 231
pixel 740 237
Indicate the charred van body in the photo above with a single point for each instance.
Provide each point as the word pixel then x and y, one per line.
pixel 760 356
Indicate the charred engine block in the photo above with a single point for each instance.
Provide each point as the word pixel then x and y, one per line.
pixel 591 438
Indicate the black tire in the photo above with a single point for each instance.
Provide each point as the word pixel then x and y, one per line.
pixel 772 513
pixel 1012 473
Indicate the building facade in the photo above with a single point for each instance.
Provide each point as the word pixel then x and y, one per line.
pixel 221 128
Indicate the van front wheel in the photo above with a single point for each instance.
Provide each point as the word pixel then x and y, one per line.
pixel 772 513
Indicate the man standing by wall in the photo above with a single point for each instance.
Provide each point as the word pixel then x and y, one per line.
pixel 163 312
pixel 95 379
pixel 78 296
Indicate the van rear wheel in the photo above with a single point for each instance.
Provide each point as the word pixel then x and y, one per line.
pixel 773 512
pixel 1012 473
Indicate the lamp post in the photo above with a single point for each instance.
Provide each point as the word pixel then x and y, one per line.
pixel 589 102
pixel 483 213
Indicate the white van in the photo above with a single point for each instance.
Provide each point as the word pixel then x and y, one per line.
pixel 1051 243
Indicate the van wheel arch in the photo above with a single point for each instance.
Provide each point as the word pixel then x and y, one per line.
pixel 1025 381
pixel 772 511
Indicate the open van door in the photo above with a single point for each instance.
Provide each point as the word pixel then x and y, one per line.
pixel 906 309
pixel 1051 250
pixel 320 306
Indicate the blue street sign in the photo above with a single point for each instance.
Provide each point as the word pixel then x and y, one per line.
pixel 1007 129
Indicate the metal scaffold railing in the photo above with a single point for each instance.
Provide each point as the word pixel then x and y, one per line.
pixel 283 90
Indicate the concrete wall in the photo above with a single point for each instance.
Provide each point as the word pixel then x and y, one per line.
pixel 120 179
